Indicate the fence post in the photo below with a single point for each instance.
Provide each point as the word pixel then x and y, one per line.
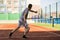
pixel 52 22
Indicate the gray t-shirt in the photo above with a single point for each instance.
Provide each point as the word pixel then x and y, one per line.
pixel 25 11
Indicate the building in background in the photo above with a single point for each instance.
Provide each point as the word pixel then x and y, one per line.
pixel 12 6
pixel 2 6
pixel 11 9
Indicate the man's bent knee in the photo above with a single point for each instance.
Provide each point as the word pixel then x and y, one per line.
pixel 27 28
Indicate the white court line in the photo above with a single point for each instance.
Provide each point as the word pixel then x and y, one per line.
pixel 52 33
pixel 55 33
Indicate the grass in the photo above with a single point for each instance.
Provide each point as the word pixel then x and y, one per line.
pixel 47 25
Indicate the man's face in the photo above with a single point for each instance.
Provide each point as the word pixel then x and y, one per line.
pixel 30 8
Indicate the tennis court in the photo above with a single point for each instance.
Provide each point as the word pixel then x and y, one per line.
pixel 36 33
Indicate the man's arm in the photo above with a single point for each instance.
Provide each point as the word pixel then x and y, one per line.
pixel 33 11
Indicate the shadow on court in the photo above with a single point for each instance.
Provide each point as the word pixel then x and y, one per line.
pixel 36 35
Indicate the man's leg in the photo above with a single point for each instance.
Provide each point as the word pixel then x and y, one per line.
pixel 14 30
pixel 26 30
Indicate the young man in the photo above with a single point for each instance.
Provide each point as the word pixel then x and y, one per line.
pixel 23 22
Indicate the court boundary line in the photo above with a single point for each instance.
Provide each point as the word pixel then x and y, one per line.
pixel 48 31
pixel 55 33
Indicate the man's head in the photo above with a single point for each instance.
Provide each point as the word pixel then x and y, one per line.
pixel 29 6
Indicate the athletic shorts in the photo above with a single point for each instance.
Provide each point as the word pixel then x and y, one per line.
pixel 24 24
